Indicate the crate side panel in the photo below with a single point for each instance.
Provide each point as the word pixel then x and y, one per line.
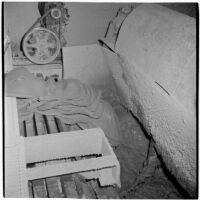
pixel 62 145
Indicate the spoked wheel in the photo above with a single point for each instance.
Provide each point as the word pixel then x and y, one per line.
pixel 41 45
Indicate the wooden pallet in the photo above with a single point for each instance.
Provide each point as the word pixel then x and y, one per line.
pixel 70 185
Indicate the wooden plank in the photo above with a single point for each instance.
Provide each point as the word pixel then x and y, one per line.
pixel 30 189
pixel 29 127
pixel 54 187
pixel 84 189
pixel 62 127
pixel 51 124
pixel 22 129
pixel 69 186
pixel 40 124
pixel 39 188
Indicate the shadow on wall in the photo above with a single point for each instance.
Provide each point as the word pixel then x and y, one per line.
pixel 185 8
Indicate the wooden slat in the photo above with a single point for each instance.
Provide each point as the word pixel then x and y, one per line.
pixel 29 127
pixel 54 187
pixel 51 124
pixel 39 188
pixel 30 189
pixel 22 129
pixel 62 127
pixel 40 124
pixel 69 186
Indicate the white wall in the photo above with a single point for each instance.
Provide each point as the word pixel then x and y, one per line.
pixel 88 21
pixel 19 17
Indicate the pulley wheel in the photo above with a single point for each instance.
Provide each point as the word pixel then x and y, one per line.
pixel 56 13
pixel 41 45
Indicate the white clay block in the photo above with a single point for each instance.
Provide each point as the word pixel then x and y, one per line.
pixel 73 144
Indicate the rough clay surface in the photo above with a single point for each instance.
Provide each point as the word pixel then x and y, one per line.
pixel 156 76
pixel 163 117
pixel 132 153
pixel 69 100
pixel 162 43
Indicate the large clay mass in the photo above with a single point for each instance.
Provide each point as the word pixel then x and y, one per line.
pixel 69 100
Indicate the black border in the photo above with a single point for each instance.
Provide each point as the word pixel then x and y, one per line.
pixel 197 97
pixel 3 99
pixel 197 92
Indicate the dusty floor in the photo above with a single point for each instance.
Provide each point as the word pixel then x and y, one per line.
pixel 131 154
pixel 137 181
